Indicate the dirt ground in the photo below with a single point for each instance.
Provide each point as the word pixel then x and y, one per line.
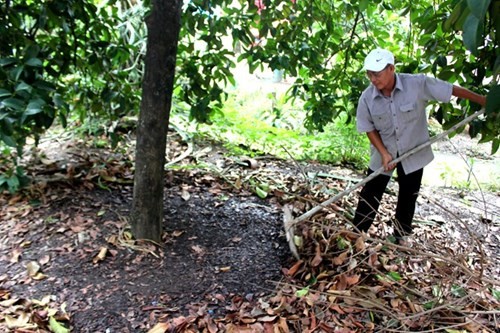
pixel 66 251
pixel 217 245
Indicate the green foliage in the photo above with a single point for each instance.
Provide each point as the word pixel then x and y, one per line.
pixel 13 179
pixel 246 128
pixel 453 40
pixel 78 60
pixel 60 56
pixel 63 57
pixel 204 61
pixel 478 23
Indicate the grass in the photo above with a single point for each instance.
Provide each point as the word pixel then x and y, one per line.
pixel 266 124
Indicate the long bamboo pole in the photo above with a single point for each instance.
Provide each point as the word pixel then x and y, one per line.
pixel 340 195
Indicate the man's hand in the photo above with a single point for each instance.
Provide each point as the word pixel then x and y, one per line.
pixel 386 161
pixel 376 141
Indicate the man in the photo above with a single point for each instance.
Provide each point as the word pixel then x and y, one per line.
pixel 391 111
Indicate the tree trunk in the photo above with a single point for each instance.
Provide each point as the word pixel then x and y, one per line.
pixel 163 25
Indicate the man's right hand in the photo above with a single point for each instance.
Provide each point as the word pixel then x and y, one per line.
pixel 386 161
pixel 376 141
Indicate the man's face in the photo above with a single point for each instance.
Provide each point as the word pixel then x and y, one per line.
pixel 383 79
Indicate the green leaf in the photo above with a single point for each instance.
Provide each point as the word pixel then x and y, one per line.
pixel 13 103
pixel 493 100
pixel 15 73
pixel 436 291
pixel 458 291
pixel 56 326
pixel 496 294
pixel 32 51
pixel 4 93
pixel 428 305
pixel 34 62
pixel 478 7
pixel 13 183
pixel 35 106
pixel 394 276
pixel 8 140
pixel 342 244
pixel 23 86
pixel 494 148
pixel 302 292
pixel 44 85
pixel 453 18
pixel 472 33
pixel 442 61
pixel 7 61
pixel 260 192
pixel 363 5
pixel 446 75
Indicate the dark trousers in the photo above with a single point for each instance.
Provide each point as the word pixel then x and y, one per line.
pixel 371 194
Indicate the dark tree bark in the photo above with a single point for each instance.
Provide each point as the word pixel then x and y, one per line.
pixel 163 25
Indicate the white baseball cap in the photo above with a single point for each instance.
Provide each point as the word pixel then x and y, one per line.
pixel 377 60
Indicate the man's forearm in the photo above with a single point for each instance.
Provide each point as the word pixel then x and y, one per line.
pixel 469 95
pixel 376 141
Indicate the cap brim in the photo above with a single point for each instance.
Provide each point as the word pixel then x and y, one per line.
pixel 376 67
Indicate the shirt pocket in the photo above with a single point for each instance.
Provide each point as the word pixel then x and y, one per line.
pixel 409 112
pixel 382 121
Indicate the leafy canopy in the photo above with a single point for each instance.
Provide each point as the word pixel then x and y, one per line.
pixel 63 58
pixel 323 44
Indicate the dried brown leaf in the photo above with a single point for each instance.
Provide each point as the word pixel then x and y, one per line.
pixel 373 260
pixel 283 326
pixel 352 279
pixel 232 328
pixel 337 308
pixel 293 270
pixel 160 328
pixel 340 259
pixel 197 249
pixel 185 193
pixel 44 260
pixel 360 244
pixel 267 319
pixel 395 303
pixel 177 233
pixel 16 253
pixel 247 320
pixel 9 302
pixel 22 320
pixel 39 276
pixel 317 258
pixel 33 268
pixel 101 255
pixel 341 283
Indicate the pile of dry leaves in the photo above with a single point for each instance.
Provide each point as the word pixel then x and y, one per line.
pixel 347 282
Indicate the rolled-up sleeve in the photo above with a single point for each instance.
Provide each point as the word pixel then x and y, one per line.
pixel 437 90
pixel 364 122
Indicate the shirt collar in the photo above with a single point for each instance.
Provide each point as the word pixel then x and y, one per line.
pixel 399 86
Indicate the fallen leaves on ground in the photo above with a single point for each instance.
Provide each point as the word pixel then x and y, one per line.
pixel 343 282
pixel 347 282
pixel 23 315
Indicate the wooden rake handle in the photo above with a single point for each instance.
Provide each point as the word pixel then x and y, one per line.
pixel 340 195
